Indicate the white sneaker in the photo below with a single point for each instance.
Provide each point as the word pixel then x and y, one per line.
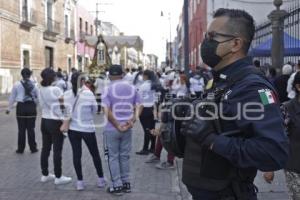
pixel 152 159
pixel 165 165
pixel 62 180
pixel 45 179
pixel 101 182
pixel 80 185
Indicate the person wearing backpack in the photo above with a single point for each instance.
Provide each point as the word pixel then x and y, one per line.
pixel 24 93
pixel 82 105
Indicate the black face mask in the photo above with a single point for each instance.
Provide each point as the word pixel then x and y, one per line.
pixel 209 52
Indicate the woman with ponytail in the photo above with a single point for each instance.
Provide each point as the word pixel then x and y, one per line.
pixel 147 94
pixel 81 103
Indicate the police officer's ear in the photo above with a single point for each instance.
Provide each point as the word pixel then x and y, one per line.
pixel 237 44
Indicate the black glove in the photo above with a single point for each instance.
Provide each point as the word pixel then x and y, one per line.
pixel 201 130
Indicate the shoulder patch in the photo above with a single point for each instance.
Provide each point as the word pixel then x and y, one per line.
pixel 267 96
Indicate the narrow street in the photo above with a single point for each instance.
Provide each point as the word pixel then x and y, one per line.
pixel 21 173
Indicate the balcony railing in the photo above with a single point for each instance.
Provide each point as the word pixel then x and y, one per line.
pixel 83 35
pixel 53 26
pixel 29 17
pixel 52 30
pixel 69 35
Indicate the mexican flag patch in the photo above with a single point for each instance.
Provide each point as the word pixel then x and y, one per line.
pixel 267 96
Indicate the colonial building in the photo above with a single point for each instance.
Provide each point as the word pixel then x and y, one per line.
pixel 197 28
pixel 180 43
pixel 108 29
pixel 85 27
pixel 35 34
pixel 153 62
pixel 259 9
pixel 201 14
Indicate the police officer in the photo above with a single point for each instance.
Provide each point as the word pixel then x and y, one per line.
pixel 24 93
pixel 221 159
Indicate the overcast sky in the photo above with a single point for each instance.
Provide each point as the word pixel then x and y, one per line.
pixel 143 18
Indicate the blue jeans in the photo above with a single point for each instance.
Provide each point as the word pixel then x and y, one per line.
pixel 117 148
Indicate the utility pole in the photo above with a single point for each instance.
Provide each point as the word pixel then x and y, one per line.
pixel 98 11
pixel 97 18
pixel 186 37
pixel 277 20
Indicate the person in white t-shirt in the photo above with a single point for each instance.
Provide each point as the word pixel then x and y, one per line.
pixel 100 84
pixel 61 83
pixel 50 98
pixel 197 85
pixel 138 78
pixel 82 105
pixel 290 90
pixel 179 87
pixel 147 116
pixel 128 76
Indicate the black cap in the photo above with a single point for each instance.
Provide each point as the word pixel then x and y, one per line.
pixel 115 70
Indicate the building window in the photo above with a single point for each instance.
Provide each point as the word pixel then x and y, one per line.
pixel 79 60
pixel 26 59
pixel 67 26
pixel 25 10
pixel 69 64
pixel 80 24
pixel 92 30
pixel 49 14
pixel 190 11
pixel 49 57
pixel 86 27
pixel 86 62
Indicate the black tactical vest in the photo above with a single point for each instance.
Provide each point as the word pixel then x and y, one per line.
pixel 207 170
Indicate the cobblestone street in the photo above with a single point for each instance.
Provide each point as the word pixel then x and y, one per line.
pixel 20 174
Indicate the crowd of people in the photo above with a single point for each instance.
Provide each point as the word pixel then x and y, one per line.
pixel 287 87
pixel 221 155
pixel 69 102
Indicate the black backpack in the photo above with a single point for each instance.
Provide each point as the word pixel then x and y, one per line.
pixel 28 88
